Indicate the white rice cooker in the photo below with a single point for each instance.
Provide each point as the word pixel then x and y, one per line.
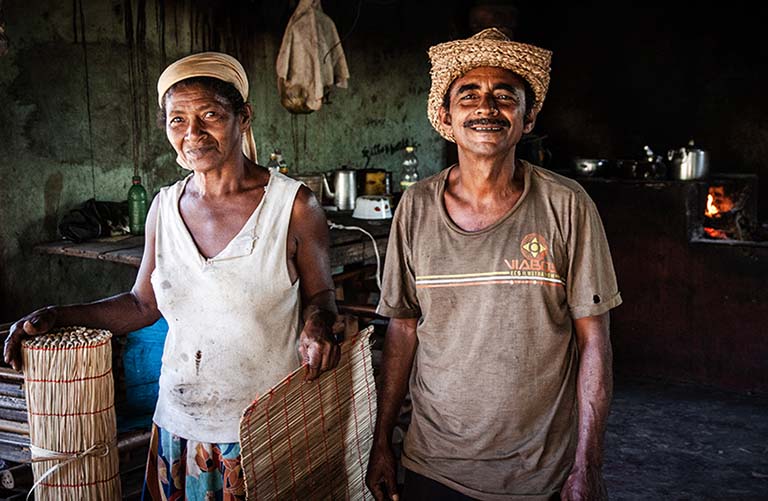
pixel 373 207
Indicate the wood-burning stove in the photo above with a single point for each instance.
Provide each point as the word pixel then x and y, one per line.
pixel 726 210
pixel 695 306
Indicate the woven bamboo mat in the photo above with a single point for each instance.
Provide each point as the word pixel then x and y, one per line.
pixel 72 430
pixel 311 440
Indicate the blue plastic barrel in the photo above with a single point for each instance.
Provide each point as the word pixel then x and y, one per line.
pixel 141 360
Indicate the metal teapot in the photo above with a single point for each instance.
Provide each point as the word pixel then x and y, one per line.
pixel 344 191
pixel 688 163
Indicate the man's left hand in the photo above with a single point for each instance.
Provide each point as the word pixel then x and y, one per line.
pixel 584 483
pixel 319 344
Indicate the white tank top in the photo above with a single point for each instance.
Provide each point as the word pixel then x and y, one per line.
pixel 233 319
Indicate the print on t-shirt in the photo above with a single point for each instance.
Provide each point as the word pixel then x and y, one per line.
pixel 533 268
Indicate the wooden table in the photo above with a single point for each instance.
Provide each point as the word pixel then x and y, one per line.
pixel 347 246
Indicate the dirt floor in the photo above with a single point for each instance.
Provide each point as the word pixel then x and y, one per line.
pixel 671 441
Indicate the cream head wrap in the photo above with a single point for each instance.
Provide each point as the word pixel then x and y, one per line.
pixel 214 65
pixel 490 47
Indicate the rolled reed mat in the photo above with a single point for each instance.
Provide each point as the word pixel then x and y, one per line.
pixel 311 440
pixel 70 401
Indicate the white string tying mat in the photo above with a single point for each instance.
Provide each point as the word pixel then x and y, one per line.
pixel 70 401
pixel 311 440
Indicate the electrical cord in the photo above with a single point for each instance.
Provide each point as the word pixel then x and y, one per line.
pixel 335 226
pixel 354 24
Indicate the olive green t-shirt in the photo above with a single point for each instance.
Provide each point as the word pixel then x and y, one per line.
pixel 493 383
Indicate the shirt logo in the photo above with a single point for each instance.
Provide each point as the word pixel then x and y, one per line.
pixel 534 247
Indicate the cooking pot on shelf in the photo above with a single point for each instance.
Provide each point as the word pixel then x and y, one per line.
pixel 688 163
pixel 651 167
pixel 591 167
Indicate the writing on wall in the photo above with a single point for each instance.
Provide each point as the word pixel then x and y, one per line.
pixel 377 149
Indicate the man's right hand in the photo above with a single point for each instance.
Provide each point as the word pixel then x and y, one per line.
pixel 34 324
pixel 381 477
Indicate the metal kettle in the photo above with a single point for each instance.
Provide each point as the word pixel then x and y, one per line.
pixel 344 191
pixel 688 163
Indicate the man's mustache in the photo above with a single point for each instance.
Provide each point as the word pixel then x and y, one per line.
pixel 501 122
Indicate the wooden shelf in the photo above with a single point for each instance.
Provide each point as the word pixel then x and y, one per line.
pixel 347 246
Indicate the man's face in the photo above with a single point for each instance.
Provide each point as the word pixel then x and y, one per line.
pixel 487 111
pixel 202 128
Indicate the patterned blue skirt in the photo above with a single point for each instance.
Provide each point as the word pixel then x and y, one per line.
pixel 180 469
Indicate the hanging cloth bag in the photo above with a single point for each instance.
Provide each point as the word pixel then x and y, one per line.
pixel 311 60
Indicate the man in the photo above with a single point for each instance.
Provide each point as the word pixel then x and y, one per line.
pixel 498 283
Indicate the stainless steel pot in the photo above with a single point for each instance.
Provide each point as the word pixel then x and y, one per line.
pixel 688 163
pixel 590 166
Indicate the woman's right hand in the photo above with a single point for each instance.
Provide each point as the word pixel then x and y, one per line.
pixel 36 323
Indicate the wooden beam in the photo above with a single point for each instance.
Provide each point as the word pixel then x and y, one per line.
pixel 14 427
pixel 9 375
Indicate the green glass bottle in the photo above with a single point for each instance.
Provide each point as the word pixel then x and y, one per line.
pixel 137 207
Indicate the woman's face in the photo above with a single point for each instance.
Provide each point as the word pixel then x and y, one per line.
pixel 202 127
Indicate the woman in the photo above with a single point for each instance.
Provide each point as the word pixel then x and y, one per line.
pixel 233 255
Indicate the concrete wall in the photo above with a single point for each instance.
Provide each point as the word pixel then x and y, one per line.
pixel 79 113
pixel 623 76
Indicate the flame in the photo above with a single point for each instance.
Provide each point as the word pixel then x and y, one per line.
pixel 717 202
pixel 713 233
pixel 711 207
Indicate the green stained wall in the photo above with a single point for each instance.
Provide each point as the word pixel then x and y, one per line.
pixel 79 106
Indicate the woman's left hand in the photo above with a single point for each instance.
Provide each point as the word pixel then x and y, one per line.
pixel 319 343
pixel 308 244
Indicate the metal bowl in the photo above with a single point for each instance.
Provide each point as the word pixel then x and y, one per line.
pixel 589 167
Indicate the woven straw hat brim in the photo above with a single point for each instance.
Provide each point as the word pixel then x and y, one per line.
pixel 450 60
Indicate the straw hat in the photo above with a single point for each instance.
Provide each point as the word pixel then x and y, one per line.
pixel 490 47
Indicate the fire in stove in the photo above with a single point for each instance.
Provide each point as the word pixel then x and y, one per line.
pixel 724 217
pixel 718 203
